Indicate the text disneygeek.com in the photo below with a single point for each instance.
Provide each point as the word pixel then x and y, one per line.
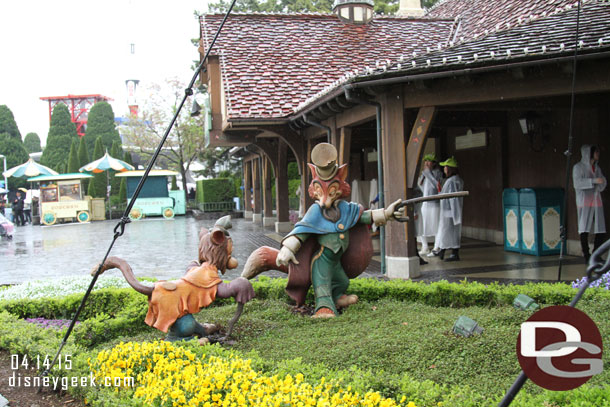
pixel 63 383
pixel 25 363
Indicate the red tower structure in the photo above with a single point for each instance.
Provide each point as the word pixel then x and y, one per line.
pixel 79 106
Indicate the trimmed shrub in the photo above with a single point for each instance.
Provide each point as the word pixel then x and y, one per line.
pixel 215 190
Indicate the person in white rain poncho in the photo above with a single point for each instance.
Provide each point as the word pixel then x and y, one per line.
pixel 450 223
pixel 429 183
pixel 589 182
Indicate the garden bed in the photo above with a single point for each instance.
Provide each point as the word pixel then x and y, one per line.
pixel 396 343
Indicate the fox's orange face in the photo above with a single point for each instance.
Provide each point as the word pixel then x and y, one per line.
pixel 326 193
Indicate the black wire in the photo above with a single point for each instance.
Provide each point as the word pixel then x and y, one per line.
pixel 593 272
pixel 568 153
pixel 120 227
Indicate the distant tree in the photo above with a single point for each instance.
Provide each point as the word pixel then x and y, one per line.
pixel 83 153
pixel 7 123
pixel 174 186
pixel 183 144
pixel 83 159
pixel 61 133
pixel 97 184
pixel 127 158
pixel 31 142
pixel 12 148
pixel 387 7
pixel 115 182
pixel 123 190
pixel 100 123
pixel 73 164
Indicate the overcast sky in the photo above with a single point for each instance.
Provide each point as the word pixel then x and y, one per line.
pixel 61 47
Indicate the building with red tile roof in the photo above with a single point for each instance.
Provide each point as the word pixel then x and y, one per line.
pixel 456 81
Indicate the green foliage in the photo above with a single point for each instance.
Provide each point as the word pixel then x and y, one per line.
pixel 100 123
pixel 298 6
pixel 31 142
pixel 83 153
pixel 215 190
pixel 98 184
pixel 386 7
pixel 8 123
pixel 12 148
pixel 61 133
pixel 83 159
pixel 174 186
pixel 293 170
pixel 73 164
pixel 127 158
pixel 391 344
pixel 123 191
pixel 115 182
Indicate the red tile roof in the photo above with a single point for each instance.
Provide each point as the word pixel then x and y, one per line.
pixel 479 17
pixel 540 38
pixel 271 63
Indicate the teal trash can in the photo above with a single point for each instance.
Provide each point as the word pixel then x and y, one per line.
pixel 511 216
pixel 540 216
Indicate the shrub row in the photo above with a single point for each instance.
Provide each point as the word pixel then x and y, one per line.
pixel 129 303
pixel 443 293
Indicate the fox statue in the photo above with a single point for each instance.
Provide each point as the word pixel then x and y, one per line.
pixel 330 245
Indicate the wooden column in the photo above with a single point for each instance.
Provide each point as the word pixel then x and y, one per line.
pixel 247 187
pixel 256 190
pixel 401 247
pixel 306 177
pixel 281 183
pixel 345 141
pixel 267 199
pixel 283 224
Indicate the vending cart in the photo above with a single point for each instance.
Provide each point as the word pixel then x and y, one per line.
pixel 155 198
pixel 62 198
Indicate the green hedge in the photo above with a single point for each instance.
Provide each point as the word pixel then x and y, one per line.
pixel 443 293
pixel 215 190
pixel 126 301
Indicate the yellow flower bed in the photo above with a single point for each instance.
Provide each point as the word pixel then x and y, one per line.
pixel 168 375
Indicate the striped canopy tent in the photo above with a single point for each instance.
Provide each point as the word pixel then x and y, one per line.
pixel 107 162
pixel 28 169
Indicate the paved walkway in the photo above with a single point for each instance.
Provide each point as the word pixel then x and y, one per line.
pixel 162 248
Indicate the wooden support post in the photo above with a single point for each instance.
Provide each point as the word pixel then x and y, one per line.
pixel 267 199
pixel 345 141
pixel 256 190
pixel 283 224
pixel 247 192
pixel 401 248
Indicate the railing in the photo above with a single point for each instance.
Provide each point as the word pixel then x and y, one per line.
pixel 216 206
pixel 293 203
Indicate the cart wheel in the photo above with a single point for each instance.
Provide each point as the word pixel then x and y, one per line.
pixel 83 216
pixel 49 218
pixel 168 213
pixel 136 213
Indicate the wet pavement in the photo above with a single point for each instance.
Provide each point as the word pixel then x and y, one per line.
pixel 153 247
pixel 163 248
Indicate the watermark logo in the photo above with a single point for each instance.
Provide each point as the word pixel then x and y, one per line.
pixel 560 348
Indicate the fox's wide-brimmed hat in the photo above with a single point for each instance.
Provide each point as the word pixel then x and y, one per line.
pixel 324 157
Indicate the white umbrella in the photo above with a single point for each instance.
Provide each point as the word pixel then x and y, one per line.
pixel 29 169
